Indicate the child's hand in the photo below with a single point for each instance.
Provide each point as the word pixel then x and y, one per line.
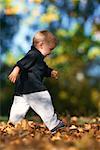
pixel 14 74
pixel 54 74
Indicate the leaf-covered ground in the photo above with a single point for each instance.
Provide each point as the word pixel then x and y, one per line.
pixel 79 134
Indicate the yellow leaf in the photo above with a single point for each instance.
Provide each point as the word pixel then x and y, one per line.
pixel 37 1
pixel 73 127
pixel 56 136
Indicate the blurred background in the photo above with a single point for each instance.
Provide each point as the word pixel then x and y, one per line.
pixel 76 24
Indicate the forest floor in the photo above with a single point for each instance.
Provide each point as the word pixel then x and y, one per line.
pixel 80 133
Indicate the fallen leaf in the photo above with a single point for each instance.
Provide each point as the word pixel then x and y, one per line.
pixel 73 127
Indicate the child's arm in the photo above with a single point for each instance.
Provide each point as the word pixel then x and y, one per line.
pixel 22 65
pixel 49 72
pixel 27 61
pixel 14 74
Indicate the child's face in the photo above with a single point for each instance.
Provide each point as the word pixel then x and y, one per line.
pixel 48 47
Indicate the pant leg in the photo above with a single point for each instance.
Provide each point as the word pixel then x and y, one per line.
pixel 41 103
pixel 18 109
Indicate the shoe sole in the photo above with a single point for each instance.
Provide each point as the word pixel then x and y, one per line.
pixel 58 130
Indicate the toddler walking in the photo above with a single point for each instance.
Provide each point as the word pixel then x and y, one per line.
pixel 28 74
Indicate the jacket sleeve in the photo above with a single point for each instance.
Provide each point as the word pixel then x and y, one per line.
pixel 27 61
pixel 48 71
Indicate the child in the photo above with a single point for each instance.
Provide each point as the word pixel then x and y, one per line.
pixel 30 91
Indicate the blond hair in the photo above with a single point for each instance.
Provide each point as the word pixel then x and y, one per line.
pixel 44 35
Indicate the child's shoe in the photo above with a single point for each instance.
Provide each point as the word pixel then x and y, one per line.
pixel 59 126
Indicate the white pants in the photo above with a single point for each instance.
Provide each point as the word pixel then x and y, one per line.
pixel 40 102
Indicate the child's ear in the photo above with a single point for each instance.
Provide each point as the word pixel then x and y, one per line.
pixel 41 44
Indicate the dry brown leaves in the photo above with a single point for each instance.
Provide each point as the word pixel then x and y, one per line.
pixel 28 135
